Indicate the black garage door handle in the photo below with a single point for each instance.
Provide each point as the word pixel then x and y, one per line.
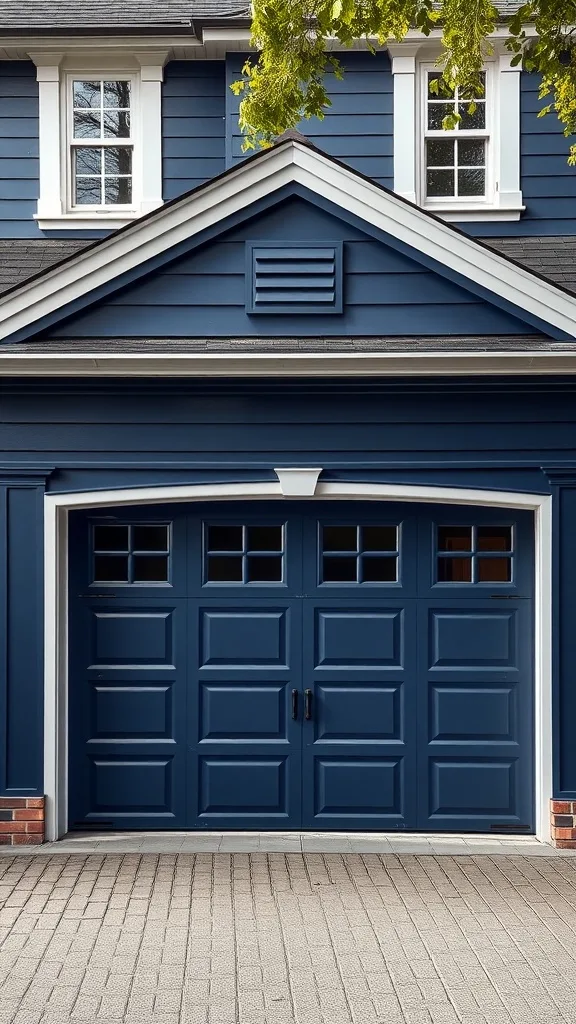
pixel 294 704
pixel 307 705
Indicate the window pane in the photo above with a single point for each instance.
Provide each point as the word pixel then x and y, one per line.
pixel 118 190
pixel 455 538
pixel 440 153
pixel 443 89
pixel 379 538
pixel 339 538
pixel 339 570
pixel 471 152
pixel 471 183
pixel 88 160
pixel 472 122
pixel 88 191
pixel 150 568
pixel 150 538
pixel 267 569
pixel 87 125
pixel 116 124
pixel 467 95
pixel 494 570
pixel 436 114
pixel 224 569
pixel 454 570
pixel 87 94
pixel 111 538
pixel 118 160
pixel 264 538
pixel 378 570
pixel 494 538
pixel 111 568
pixel 117 94
pixel 225 538
pixel 440 183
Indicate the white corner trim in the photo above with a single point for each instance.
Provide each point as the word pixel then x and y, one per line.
pixel 298 483
pixel 257 178
pixel 405 117
pixel 51 177
pixel 57 506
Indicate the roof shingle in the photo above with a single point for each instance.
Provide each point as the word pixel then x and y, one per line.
pixel 49 16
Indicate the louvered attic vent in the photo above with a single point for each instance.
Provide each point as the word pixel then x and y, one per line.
pixel 294 278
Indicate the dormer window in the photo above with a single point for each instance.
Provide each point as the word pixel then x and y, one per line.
pixel 467 173
pixel 100 139
pixel 100 161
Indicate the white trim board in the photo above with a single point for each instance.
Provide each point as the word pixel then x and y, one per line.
pixel 286 364
pixel 57 507
pixel 286 163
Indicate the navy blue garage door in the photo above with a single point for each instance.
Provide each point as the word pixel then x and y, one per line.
pixel 318 666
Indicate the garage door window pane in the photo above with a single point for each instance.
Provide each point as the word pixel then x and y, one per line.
pixel 111 538
pixel 111 569
pixel 339 538
pixel 455 570
pixel 264 569
pixel 494 538
pixel 378 570
pixel 340 570
pixel 150 538
pixel 494 570
pixel 225 538
pixel 224 569
pixel 150 569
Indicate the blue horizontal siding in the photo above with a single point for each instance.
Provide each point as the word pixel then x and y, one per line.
pixel 193 124
pixel 18 149
pixel 548 183
pixel 358 125
pixel 204 294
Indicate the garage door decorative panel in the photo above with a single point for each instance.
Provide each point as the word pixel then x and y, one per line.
pixel 312 666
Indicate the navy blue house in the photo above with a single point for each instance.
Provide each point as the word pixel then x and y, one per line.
pixel 288 441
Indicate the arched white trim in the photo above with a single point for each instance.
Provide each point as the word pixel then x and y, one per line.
pixel 56 510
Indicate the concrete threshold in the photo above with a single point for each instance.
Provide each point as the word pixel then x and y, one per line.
pixel 434 844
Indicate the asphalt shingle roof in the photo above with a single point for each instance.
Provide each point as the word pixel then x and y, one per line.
pixel 551 256
pixel 85 15
pixel 80 15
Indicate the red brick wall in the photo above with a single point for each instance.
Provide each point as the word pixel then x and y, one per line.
pixel 21 820
pixel 563 821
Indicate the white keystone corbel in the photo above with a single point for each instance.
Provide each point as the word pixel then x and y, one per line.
pixel 298 483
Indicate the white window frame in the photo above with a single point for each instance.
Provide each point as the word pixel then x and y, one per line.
pixel 70 143
pixel 503 198
pixel 486 134
pixel 55 73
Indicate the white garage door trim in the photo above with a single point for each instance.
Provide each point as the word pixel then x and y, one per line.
pixel 56 511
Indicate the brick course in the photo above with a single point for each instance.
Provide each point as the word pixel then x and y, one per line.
pixel 21 820
pixel 563 823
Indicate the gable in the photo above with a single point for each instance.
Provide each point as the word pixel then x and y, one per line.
pixel 204 293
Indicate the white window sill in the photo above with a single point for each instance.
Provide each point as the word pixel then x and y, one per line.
pixel 86 221
pixel 468 213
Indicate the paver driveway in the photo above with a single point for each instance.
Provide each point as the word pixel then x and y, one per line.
pixel 281 938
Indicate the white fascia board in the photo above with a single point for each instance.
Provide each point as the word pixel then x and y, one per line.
pixel 293 364
pixel 256 179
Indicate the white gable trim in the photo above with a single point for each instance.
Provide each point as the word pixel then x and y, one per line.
pixel 256 179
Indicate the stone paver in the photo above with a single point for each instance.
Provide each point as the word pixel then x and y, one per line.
pixel 287 938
